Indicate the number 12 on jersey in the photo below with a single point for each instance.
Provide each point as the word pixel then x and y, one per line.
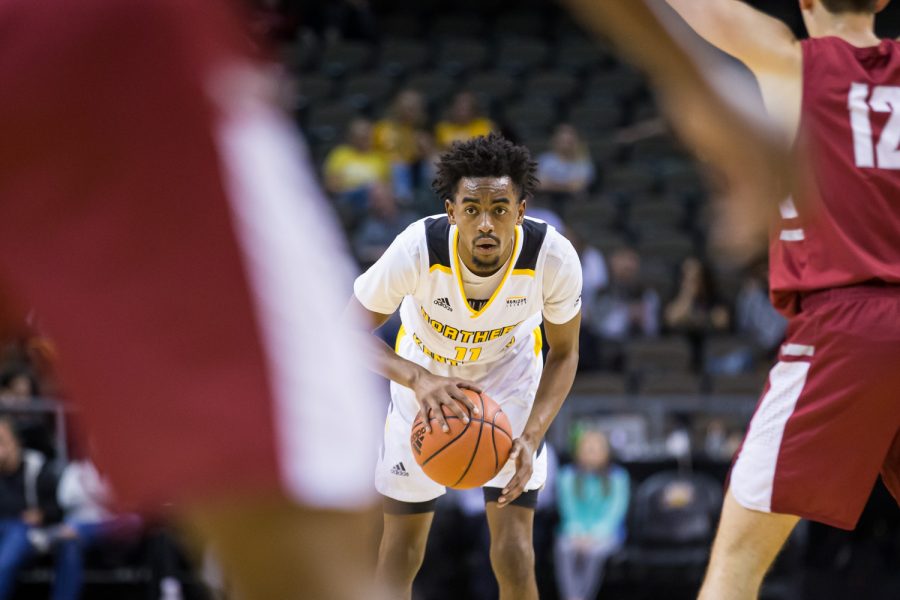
pixel 885 99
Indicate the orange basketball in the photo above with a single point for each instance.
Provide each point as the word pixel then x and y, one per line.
pixel 472 453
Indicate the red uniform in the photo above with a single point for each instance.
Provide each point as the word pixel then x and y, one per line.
pixel 829 419
pixel 157 215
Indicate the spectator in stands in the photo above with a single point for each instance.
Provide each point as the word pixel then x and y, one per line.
pixel 384 222
pixel 84 496
pixel 27 501
pixel 464 121
pixel 755 317
pixel 402 138
pixel 356 164
pixel 566 170
pixel 625 308
pixel 593 496
pixel 697 309
pixel 352 168
pixel 19 389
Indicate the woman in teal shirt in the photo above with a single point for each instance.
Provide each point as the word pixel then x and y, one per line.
pixel 593 496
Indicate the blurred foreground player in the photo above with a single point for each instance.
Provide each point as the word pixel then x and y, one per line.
pixel 472 287
pixel 828 422
pixel 157 214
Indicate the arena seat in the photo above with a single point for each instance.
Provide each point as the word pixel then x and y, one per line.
pixel 402 56
pixel 341 58
pixel 517 55
pixel 646 355
pixel 458 55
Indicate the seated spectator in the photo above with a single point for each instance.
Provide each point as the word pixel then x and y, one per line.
pixel 464 122
pixel 755 317
pixel 566 170
pixel 384 222
pixel 356 164
pixel 759 325
pixel 697 309
pixel 19 389
pixel 83 495
pixel 592 495
pixel 625 308
pixel 402 138
pixel 27 502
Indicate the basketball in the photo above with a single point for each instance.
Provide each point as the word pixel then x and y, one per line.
pixel 472 453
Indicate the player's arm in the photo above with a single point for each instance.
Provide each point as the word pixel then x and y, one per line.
pixel 556 381
pixel 431 390
pixel 762 42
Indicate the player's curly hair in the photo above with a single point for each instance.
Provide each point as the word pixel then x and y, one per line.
pixel 850 6
pixel 486 156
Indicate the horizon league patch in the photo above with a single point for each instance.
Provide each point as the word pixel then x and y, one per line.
pixel 514 301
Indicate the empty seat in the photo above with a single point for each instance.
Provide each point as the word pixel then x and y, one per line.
pixel 628 179
pixel 666 245
pixel 661 213
pixel 399 25
pixel 491 85
pixel 658 354
pixel 341 58
pixel 596 212
pixel 581 55
pixel 521 23
pixel 399 56
pixel 744 384
pixel 457 55
pixel 433 86
pixel 666 383
pixel 600 383
pixel 596 118
pixel 363 90
pixel 326 124
pixel 458 25
pixel 518 55
pixel 621 82
pixel 550 84
pixel 313 88
pixel 531 118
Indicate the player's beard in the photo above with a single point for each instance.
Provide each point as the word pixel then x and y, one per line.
pixel 481 265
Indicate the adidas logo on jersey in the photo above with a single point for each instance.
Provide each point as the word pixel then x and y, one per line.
pixel 444 303
pixel 400 470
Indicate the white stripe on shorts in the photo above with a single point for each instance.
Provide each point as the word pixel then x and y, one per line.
pixel 326 412
pixel 754 471
pixel 797 350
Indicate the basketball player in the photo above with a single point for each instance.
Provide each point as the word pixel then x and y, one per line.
pixel 472 287
pixel 158 215
pixel 829 419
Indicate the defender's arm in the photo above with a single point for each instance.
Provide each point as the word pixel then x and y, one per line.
pixel 765 44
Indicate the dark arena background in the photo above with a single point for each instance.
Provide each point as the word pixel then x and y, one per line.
pixel 676 342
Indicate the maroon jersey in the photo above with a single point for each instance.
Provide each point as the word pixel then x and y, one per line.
pixel 850 131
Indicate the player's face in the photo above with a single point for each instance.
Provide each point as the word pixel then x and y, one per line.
pixel 486 211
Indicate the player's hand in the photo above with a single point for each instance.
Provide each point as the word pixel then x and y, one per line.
pixel 434 391
pixel 523 454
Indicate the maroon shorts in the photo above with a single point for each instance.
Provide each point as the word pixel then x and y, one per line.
pixel 828 420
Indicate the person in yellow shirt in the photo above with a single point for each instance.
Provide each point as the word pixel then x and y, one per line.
pixel 397 135
pixel 464 121
pixel 356 164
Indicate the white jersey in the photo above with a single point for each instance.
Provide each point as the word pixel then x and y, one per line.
pixel 422 274
pixel 494 341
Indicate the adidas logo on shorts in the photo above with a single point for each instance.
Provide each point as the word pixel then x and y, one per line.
pixel 443 303
pixel 400 470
